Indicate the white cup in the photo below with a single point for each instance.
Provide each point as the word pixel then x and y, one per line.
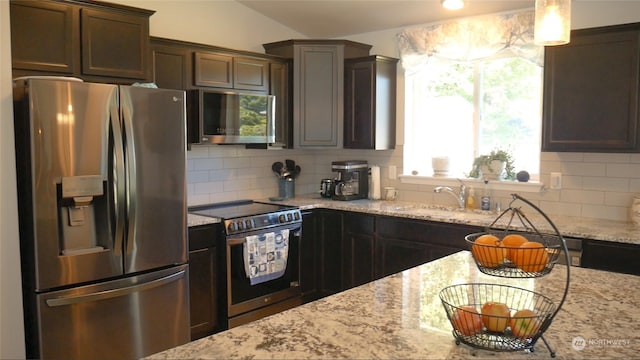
pixel 390 193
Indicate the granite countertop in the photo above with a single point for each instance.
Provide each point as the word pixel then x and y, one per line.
pixel 401 317
pixel 586 228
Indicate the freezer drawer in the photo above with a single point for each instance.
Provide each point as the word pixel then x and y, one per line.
pixel 121 319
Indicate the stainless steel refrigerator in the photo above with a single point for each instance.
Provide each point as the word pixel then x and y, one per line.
pixel 102 209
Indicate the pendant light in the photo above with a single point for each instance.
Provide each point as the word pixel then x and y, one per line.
pixel 553 22
pixel 452 4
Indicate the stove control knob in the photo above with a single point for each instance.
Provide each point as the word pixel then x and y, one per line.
pixel 289 217
pixel 296 215
pixel 282 218
pixel 240 224
pixel 232 227
pixel 248 224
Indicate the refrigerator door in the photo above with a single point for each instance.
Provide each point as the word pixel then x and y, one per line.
pixel 67 202
pixel 154 129
pixel 127 318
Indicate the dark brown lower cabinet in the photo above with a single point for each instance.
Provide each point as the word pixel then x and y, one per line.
pixel 203 293
pixel 610 256
pixel 353 248
pixel 359 246
pixel 308 259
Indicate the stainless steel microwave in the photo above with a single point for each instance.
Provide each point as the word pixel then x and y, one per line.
pixel 232 117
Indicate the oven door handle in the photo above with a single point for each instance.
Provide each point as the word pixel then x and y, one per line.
pixel 234 242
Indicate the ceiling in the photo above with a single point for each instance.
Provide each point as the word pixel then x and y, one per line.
pixel 338 18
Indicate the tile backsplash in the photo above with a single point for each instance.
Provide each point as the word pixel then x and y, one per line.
pixel 593 185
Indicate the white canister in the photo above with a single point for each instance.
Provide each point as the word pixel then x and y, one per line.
pixel 635 209
pixel 374 183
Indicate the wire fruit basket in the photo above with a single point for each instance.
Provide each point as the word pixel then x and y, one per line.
pixel 516 321
pixel 502 317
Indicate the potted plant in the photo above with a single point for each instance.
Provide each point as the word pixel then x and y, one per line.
pixel 492 166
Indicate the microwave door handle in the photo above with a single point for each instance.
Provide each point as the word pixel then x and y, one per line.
pixel 119 179
pixel 271 120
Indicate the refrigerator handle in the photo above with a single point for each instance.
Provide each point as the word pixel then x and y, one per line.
pixel 107 294
pixel 127 125
pixel 119 180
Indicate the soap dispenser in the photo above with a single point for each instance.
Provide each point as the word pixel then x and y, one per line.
pixel 471 201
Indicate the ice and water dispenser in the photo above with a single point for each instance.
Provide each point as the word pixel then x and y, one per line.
pixel 83 215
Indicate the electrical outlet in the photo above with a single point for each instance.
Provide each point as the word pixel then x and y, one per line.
pixel 555 181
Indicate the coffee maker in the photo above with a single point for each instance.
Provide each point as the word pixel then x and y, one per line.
pixel 352 181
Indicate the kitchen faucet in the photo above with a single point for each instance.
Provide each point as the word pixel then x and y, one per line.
pixel 460 196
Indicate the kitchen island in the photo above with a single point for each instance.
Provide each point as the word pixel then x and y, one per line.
pixel 401 317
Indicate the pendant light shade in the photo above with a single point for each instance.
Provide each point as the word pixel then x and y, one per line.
pixel 553 22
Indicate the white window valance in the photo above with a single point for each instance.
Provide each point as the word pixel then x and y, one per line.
pixel 471 39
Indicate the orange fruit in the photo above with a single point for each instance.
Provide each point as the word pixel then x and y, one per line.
pixel 487 252
pixel 466 320
pixel 511 242
pixel 531 257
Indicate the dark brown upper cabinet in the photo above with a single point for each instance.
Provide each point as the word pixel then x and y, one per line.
pixel 92 41
pixel 591 98
pixel 370 103
pixel 171 64
pixel 213 70
pixel 115 44
pixel 228 71
pixel 45 36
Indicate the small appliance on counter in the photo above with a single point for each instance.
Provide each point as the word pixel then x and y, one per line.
pixel 352 181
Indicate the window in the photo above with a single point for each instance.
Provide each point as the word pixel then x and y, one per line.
pixel 472 86
pixel 465 109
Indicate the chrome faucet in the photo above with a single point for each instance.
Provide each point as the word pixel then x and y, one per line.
pixel 460 197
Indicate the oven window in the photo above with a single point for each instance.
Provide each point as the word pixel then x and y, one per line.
pixel 241 288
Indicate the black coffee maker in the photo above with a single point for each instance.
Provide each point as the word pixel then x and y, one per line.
pixel 352 181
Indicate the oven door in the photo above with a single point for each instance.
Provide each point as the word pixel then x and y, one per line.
pixel 242 297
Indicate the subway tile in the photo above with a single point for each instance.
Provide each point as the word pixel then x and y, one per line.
pixel 582 196
pixel 584 169
pixel 605 212
pixel 623 170
pixel 606 158
pixel 621 199
pixel 605 183
pixel 197 176
pixel 208 187
pixel 207 164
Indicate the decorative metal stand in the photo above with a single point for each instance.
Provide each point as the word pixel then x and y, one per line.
pixel 460 300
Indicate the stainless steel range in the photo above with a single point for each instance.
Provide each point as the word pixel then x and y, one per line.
pixel 260 265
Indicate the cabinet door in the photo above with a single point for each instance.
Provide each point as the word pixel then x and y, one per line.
pixel 330 252
pixel 370 103
pixel 359 249
pixel 250 74
pixel 203 282
pixel 45 36
pixel 281 86
pixel 611 256
pixel 171 66
pixel 318 96
pixel 115 44
pixel 395 255
pixel 308 259
pixel 591 99
pixel 214 70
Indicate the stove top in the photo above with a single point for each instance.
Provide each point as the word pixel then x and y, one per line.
pixel 247 215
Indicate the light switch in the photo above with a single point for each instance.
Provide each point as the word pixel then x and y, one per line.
pixel 555 181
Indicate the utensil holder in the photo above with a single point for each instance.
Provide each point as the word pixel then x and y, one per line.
pixel 287 188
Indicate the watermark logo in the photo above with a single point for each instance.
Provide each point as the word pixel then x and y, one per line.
pixel 579 343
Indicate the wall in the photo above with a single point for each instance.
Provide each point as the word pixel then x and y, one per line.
pixel 11 327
